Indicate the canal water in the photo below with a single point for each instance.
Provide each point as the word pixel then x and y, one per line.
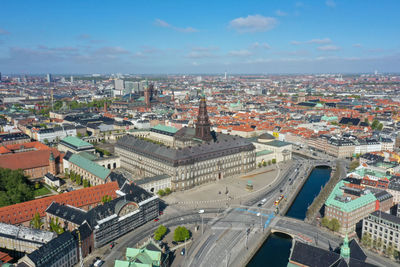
pixel 276 249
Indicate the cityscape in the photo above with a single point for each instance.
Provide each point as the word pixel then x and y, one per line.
pixel 180 134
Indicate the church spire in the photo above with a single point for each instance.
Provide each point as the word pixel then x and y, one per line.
pixel 345 249
pixel 203 126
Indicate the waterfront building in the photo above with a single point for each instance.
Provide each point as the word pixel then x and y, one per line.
pixel 196 156
pixel 384 227
pixel 349 254
pixel 349 204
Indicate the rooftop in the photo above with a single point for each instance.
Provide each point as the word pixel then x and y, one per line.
pixel 90 166
pixel 76 142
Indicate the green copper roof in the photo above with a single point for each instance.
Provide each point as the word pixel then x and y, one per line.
pixel 89 156
pixel 329 118
pixel 121 263
pixel 168 129
pixel 278 143
pixel 352 204
pixel 144 255
pixel 345 249
pixel 90 166
pixel 263 152
pixel 75 141
pixel 364 171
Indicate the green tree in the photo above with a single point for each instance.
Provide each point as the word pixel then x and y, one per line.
pixel 325 222
pixel 14 187
pixel 389 251
pixel 37 185
pixel 79 135
pixel 46 141
pixel 379 244
pixel 160 232
pixel 273 161
pixel 374 124
pixel 181 233
pixel 78 179
pixel 379 127
pixel 161 192
pixel 366 239
pixel 167 190
pixel 366 121
pixel 106 198
pixel 55 226
pixel 259 165
pixel 264 163
pixel 353 165
pixel 85 183
pixel 36 221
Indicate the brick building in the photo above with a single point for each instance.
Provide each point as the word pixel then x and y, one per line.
pixel 86 198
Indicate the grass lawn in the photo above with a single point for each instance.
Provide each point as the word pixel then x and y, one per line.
pixel 41 191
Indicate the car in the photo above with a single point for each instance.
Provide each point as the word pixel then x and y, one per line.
pixel 201 211
pixel 280 191
pixel 161 213
pixel 112 245
pixel 264 200
pixel 259 204
pixel 183 252
pixel 98 263
pixel 156 219
pixel 258 214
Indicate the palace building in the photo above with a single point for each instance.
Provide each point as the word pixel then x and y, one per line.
pixel 192 156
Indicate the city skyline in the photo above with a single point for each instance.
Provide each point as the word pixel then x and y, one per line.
pixel 159 37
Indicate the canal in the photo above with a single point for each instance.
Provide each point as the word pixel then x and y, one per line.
pixel 276 249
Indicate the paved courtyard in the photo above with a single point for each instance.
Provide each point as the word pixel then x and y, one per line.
pixel 231 189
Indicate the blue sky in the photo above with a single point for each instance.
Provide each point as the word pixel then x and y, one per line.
pixel 199 36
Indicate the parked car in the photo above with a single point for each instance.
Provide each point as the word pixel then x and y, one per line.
pixel 201 211
pixel 156 219
pixel 183 252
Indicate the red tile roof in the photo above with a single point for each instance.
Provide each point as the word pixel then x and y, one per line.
pixel 29 159
pixel 23 212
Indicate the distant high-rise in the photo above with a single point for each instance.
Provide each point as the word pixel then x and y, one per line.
pixel 71 79
pixel 119 84
pixel 225 75
pixel 49 78
pixel 0 76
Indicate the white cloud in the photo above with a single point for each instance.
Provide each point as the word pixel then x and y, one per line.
pixel 328 48
pixel 239 53
pixel 4 32
pixel 357 45
pixel 313 41
pixel 253 23
pixel 330 3
pixel 280 13
pixel 164 24
pixel 262 45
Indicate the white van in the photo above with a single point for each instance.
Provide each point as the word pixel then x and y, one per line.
pixel 264 200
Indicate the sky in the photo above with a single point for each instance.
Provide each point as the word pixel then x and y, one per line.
pixel 195 37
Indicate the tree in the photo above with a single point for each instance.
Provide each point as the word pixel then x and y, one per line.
pixel 37 185
pixel 379 244
pixel 106 198
pixel 79 135
pixel 325 222
pixel 167 190
pixel 353 165
pixel 55 226
pixel 78 179
pixel 85 183
pixel 389 251
pixel 273 161
pixel 264 163
pixel 46 141
pixel 366 121
pixel 366 239
pixel 14 187
pixel 161 192
pixel 374 124
pixel 36 221
pixel 380 127
pixel 160 232
pixel 181 233
pixel 259 165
